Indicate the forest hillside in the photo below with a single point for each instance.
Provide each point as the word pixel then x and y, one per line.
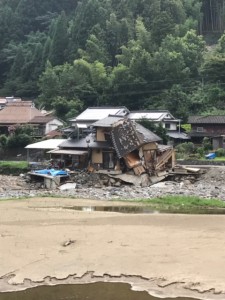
pixel 159 54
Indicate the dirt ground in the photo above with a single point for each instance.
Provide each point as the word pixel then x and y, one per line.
pixel 44 242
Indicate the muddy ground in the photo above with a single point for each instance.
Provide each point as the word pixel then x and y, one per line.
pixel 44 242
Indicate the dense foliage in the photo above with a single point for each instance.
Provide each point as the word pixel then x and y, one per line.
pixel 19 137
pixel 143 54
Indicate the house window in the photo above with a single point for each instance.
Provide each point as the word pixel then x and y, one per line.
pixel 199 129
pixel 167 126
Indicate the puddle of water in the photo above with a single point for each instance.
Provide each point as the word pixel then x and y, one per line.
pixel 120 209
pixel 92 291
pixel 144 210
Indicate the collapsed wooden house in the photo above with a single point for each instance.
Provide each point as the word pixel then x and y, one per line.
pixel 117 146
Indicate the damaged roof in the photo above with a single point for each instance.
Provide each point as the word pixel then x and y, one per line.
pixel 108 121
pixel 128 136
pixel 145 134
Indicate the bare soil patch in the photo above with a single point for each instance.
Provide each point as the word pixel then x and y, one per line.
pixel 167 255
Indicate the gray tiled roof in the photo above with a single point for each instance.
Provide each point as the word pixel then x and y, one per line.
pixel 206 120
pixel 146 135
pixel 84 143
pixel 108 121
pixel 178 135
pixel 42 119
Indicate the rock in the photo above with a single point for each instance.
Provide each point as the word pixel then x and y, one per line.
pixel 67 186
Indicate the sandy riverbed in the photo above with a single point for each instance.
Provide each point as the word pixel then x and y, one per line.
pixel 168 255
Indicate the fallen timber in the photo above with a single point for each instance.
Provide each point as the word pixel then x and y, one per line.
pixel 115 178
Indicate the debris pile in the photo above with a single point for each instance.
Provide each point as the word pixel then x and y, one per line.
pixel 98 180
pixel 102 186
pixel 120 148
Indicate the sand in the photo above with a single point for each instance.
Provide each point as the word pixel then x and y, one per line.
pixel 42 242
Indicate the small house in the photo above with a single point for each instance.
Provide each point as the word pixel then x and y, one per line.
pixel 120 145
pixel 166 119
pixel 19 113
pixel 212 127
pixel 82 122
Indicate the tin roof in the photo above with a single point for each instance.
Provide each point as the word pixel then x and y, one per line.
pixel 97 113
pixel 47 144
pixel 154 115
pixel 66 151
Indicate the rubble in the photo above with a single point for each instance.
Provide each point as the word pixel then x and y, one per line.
pixel 102 186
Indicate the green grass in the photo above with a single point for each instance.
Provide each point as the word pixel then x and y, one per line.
pixel 182 203
pixel 13 167
pixel 14 164
pixel 169 204
pixel 172 204
pixel 222 158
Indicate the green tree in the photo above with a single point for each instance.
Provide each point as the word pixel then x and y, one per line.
pixel 58 49
pixel 95 50
pixel 65 108
pixel 156 128
pixel 178 102
pixel 3 141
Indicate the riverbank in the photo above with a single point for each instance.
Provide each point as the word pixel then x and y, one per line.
pixel 44 242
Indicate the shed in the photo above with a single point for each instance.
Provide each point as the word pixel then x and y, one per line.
pixel 40 147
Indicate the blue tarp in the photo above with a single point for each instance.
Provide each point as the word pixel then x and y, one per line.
pixel 210 156
pixel 51 172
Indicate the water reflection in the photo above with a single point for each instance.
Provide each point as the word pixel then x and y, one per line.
pixel 93 291
pixel 120 209
pixel 146 210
